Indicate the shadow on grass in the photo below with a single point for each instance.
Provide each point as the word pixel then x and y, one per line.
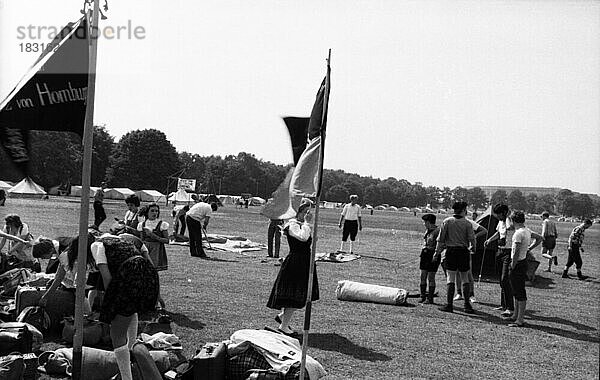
pixel 209 258
pixel 494 318
pixel 183 321
pixel 562 321
pixel 543 283
pixel 338 343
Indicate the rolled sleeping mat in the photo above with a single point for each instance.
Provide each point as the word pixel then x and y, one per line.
pixel 356 291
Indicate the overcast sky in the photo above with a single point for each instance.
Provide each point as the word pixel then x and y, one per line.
pixel 446 93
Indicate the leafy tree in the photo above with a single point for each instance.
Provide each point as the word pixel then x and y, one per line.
pixel 583 206
pixel 143 159
pixel 460 194
pixel 338 193
pixel 532 201
pixel 446 195
pixel 499 196
pixel 433 196
pixel 545 203
pixel 104 144
pixel 477 198
pixel 565 202
pixel 372 195
pixel 516 200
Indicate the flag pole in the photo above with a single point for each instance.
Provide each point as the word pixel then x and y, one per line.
pixel 85 195
pixel 308 310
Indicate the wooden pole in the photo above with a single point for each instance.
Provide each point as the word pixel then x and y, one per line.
pixel 88 137
pixel 308 310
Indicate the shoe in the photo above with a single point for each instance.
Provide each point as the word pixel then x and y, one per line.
pixel 473 299
pixel 499 308
pixel 292 334
pixel 510 318
pixel 458 297
pixel 469 309
pixel 565 275
pixel 581 277
pixel 422 300
pixel 547 256
pixel 555 260
pixel 447 309
pixel 428 302
pixel 516 324
pixel 507 313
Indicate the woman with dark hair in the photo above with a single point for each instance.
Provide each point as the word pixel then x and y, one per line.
pixel 131 284
pixel 131 219
pixel 154 232
pixel 290 288
pixel 21 251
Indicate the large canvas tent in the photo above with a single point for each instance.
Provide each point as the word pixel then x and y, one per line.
pixel 257 201
pixel 76 191
pixel 118 193
pixel 5 185
pixel 27 189
pixel 150 196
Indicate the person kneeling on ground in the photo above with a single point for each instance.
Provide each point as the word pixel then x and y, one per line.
pixel 456 236
pixel 575 243
pixel 521 245
pixel 428 265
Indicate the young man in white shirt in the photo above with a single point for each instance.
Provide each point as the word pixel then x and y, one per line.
pixel 197 219
pixel 549 233
pixel 521 244
pixel 352 220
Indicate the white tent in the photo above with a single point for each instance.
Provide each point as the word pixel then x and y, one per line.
pixel 181 196
pixel 150 196
pixel 405 209
pixel 380 207
pixel 227 199
pixel 416 209
pixel 27 189
pixel 368 207
pixel 427 209
pixel 256 201
pixel 5 185
pixel 76 191
pixel 327 204
pixel 392 208
pixel 118 193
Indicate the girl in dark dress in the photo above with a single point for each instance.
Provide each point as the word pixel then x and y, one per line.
pixel 131 284
pixel 290 288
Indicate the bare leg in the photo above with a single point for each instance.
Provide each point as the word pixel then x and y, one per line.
pixel 286 317
pixel 118 334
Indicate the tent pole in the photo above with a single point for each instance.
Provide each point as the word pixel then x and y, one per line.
pixel 88 138
pixel 308 310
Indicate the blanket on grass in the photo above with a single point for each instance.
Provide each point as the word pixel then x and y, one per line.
pixel 228 243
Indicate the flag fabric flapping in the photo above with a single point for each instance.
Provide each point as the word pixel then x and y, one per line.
pixel 298 130
pixel 51 96
pixel 280 207
pixel 306 179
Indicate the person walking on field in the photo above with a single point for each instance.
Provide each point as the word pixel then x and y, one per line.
pixel 458 239
pixel 521 245
pixel 575 243
pixel 550 235
pixel 99 213
pixel 427 264
pixel 352 221
pixel 197 219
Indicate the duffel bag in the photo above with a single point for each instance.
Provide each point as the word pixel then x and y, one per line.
pixel 15 337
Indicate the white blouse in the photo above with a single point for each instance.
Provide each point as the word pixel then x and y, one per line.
pixel 300 231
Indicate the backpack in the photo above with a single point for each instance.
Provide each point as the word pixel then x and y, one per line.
pixel 35 316
pixel 12 367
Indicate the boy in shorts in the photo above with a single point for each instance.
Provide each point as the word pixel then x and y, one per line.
pixel 458 239
pixel 428 265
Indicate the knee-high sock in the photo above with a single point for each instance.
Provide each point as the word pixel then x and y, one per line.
pixel 423 291
pixel 450 293
pixel 466 294
pixel 123 362
pixel 342 246
pixel 431 293
pixel 132 331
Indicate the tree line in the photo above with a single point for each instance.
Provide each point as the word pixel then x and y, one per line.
pixel 146 159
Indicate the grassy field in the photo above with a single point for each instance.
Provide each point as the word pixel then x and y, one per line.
pixel 210 299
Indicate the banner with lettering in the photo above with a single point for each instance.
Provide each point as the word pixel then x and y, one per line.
pixel 52 95
pixel 186 184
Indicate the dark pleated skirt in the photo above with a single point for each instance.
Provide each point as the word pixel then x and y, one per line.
pixel 134 289
pixel 291 286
